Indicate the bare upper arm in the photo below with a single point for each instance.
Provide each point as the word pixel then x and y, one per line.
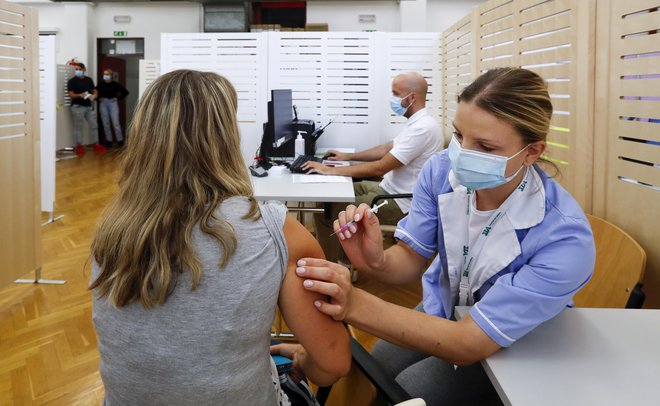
pixel 325 339
pixel 478 345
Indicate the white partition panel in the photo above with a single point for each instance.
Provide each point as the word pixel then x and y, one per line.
pixel 332 76
pixel 241 58
pixel 64 124
pixel 48 103
pixel 400 52
pixel 345 76
pixel 149 71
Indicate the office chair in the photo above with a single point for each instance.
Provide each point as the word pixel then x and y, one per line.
pixel 619 269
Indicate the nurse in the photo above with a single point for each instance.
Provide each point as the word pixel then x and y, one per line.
pixel 510 242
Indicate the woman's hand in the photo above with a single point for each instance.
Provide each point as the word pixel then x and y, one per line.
pixel 316 167
pixel 362 242
pixel 327 278
pixel 294 352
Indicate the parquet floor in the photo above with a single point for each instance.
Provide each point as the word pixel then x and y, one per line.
pixel 48 350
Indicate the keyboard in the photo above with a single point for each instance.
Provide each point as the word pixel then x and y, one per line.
pixel 296 165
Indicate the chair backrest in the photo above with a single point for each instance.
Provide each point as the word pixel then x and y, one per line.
pixel 620 264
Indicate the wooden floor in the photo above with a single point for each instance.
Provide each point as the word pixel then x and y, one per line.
pixel 48 350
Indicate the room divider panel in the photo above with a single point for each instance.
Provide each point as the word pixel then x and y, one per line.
pixel 627 132
pixel 553 38
pixel 20 204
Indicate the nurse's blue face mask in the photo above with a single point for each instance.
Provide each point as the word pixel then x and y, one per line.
pixel 395 104
pixel 479 170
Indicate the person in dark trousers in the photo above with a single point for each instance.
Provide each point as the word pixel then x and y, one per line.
pixel 82 92
pixel 110 92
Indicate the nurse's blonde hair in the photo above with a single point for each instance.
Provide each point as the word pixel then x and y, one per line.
pixel 182 159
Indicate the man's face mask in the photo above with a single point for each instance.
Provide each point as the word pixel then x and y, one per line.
pixel 395 104
pixel 479 170
pixel 79 73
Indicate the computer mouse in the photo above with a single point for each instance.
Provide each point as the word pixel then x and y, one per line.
pixel 258 171
pixel 328 155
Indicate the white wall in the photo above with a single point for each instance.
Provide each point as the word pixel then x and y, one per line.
pixel 148 21
pixel 441 14
pixel 410 15
pixel 343 15
pixel 78 25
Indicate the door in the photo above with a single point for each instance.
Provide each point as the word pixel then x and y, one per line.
pixel 122 56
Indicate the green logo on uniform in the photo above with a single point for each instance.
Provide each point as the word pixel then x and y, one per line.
pixel 486 230
pixel 522 185
pixel 465 250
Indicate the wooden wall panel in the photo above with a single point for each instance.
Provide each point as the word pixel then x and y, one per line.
pixel 627 133
pixel 458 69
pixel 555 39
pixel 20 245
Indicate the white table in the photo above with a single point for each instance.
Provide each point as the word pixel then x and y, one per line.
pixel 582 357
pixel 280 186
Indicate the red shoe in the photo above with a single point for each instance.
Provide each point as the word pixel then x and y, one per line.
pixel 100 149
pixel 80 151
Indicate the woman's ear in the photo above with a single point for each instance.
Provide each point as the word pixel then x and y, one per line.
pixel 534 152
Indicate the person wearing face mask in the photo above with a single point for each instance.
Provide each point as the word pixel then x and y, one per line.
pixel 82 92
pixel 398 162
pixel 110 92
pixel 507 239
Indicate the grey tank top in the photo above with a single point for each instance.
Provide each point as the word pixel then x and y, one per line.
pixel 210 346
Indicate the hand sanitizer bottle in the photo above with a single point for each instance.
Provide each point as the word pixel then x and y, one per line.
pixel 300 144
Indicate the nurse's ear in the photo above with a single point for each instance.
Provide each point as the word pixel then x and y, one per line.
pixel 534 152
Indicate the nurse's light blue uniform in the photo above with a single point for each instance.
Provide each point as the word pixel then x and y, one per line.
pixel 539 255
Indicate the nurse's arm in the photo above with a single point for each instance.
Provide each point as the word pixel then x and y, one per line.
pixel 460 342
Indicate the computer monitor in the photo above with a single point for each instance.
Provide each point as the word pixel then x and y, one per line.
pixel 279 129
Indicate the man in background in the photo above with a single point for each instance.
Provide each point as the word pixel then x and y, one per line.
pixel 82 92
pixel 398 162
pixel 110 92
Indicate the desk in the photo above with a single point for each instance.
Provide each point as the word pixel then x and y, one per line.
pixel 281 187
pixel 582 357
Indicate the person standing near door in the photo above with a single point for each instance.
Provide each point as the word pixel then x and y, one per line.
pixel 110 92
pixel 82 92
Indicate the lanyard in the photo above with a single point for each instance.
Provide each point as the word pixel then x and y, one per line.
pixel 471 253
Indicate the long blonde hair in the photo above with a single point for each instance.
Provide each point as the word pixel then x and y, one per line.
pixel 182 159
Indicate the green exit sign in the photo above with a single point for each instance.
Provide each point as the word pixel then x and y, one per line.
pixel 120 34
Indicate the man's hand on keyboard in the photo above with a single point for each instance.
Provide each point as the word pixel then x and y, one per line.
pixel 310 167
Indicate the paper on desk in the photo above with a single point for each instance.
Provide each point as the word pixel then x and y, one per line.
pixel 319 179
pixel 335 163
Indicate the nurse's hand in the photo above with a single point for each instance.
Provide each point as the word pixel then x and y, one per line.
pixel 362 242
pixel 330 279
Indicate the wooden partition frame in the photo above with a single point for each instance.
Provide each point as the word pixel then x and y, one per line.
pixel 627 126
pixel 556 40
pixel 20 201
pixel 603 76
